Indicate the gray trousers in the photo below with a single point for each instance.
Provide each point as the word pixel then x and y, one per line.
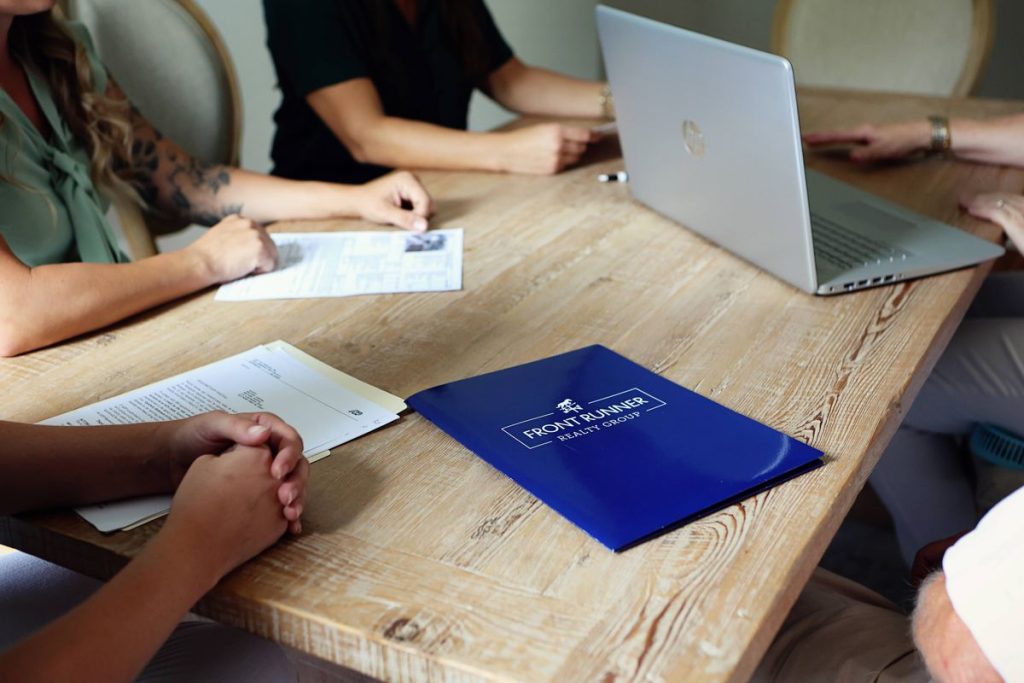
pixel 33 593
pixel 980 378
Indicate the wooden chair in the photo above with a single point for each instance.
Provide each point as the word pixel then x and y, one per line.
pixel 929 47
pixel 173 64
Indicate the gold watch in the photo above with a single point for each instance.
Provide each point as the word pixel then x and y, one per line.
pixel 941 139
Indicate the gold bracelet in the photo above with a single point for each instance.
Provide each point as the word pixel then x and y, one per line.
pixel 607 102
pixel 941 139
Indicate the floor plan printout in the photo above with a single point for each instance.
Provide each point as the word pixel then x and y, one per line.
pixel 334 264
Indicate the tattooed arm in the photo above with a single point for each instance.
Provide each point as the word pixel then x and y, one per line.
pixel 172 181
pixel 95 295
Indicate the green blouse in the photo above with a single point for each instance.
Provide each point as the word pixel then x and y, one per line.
pixel 51 210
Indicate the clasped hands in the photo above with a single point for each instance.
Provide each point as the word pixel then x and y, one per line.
pixel 240 483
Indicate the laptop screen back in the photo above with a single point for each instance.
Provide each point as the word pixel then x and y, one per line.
pixel 710 136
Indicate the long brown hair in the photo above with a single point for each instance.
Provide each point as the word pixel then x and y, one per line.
pixel 101 123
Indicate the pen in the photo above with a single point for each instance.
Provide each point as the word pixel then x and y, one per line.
pixel 620 177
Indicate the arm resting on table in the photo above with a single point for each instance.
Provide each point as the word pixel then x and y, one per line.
pixel 56 466
pixel 46 304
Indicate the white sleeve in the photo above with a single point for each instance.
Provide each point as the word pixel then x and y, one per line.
pixel 985 582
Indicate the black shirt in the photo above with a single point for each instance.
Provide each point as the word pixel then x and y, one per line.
pixel 419 73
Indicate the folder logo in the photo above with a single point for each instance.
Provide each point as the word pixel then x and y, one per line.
pixel 570 420
pixel 569 406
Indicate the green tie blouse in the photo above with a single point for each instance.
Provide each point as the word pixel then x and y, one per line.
pixel 50 210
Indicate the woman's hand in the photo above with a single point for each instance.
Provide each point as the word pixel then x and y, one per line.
pixel 885 142
pixel 544 149
pixel 396 199
pixel 1004 209
pixel 234 248
pixel 226 510
pixel 215 432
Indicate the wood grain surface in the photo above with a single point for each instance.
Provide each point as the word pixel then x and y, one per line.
pixel 422 563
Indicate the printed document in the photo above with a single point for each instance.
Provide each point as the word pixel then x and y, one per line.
pixel 326 407
pixel 331 264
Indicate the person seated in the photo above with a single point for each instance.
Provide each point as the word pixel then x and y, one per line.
pixel 369 85
pixel 963 630
pixel 69 139
pixel 239 483
pixel 979 378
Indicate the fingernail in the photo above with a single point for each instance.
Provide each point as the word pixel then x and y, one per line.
pixel 291 498
pixel 257 430
pixel 420 224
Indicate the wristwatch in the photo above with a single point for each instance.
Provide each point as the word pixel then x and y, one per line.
pixel 941 139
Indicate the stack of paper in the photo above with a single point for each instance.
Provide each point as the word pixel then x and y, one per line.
pixel 326 406
pixel 330 264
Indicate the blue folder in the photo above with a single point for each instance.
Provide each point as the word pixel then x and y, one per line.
pixel 619 451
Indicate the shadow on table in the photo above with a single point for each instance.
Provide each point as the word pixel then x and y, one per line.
pixel 605 149
pixel 448 209
pixel 338 495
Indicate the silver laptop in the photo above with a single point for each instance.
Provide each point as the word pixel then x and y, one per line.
pixel 711 139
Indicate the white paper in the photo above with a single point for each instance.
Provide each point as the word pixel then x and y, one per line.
pixel 323 411
pixel 331 264
pixel 125 514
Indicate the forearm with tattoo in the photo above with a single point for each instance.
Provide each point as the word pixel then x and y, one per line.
pixel 194 186
pixel 172 182
pixel 169 180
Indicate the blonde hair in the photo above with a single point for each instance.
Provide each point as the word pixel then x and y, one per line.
pixel 101 123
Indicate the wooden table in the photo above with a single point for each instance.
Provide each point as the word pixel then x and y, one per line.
pixel 421 562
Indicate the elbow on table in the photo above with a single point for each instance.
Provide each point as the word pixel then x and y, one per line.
pixel 15 339
pixel 23 325
pixel 11 346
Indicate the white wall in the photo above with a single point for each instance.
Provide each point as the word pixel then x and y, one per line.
pixel 240 22
pixel 749 22
pixel 1005 74
pixel 560 34
pixel 556 34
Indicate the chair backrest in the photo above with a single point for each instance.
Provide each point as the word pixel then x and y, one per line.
pixel 172 63
pixel 933 47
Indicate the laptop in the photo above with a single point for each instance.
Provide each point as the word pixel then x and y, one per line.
pixel 711 139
